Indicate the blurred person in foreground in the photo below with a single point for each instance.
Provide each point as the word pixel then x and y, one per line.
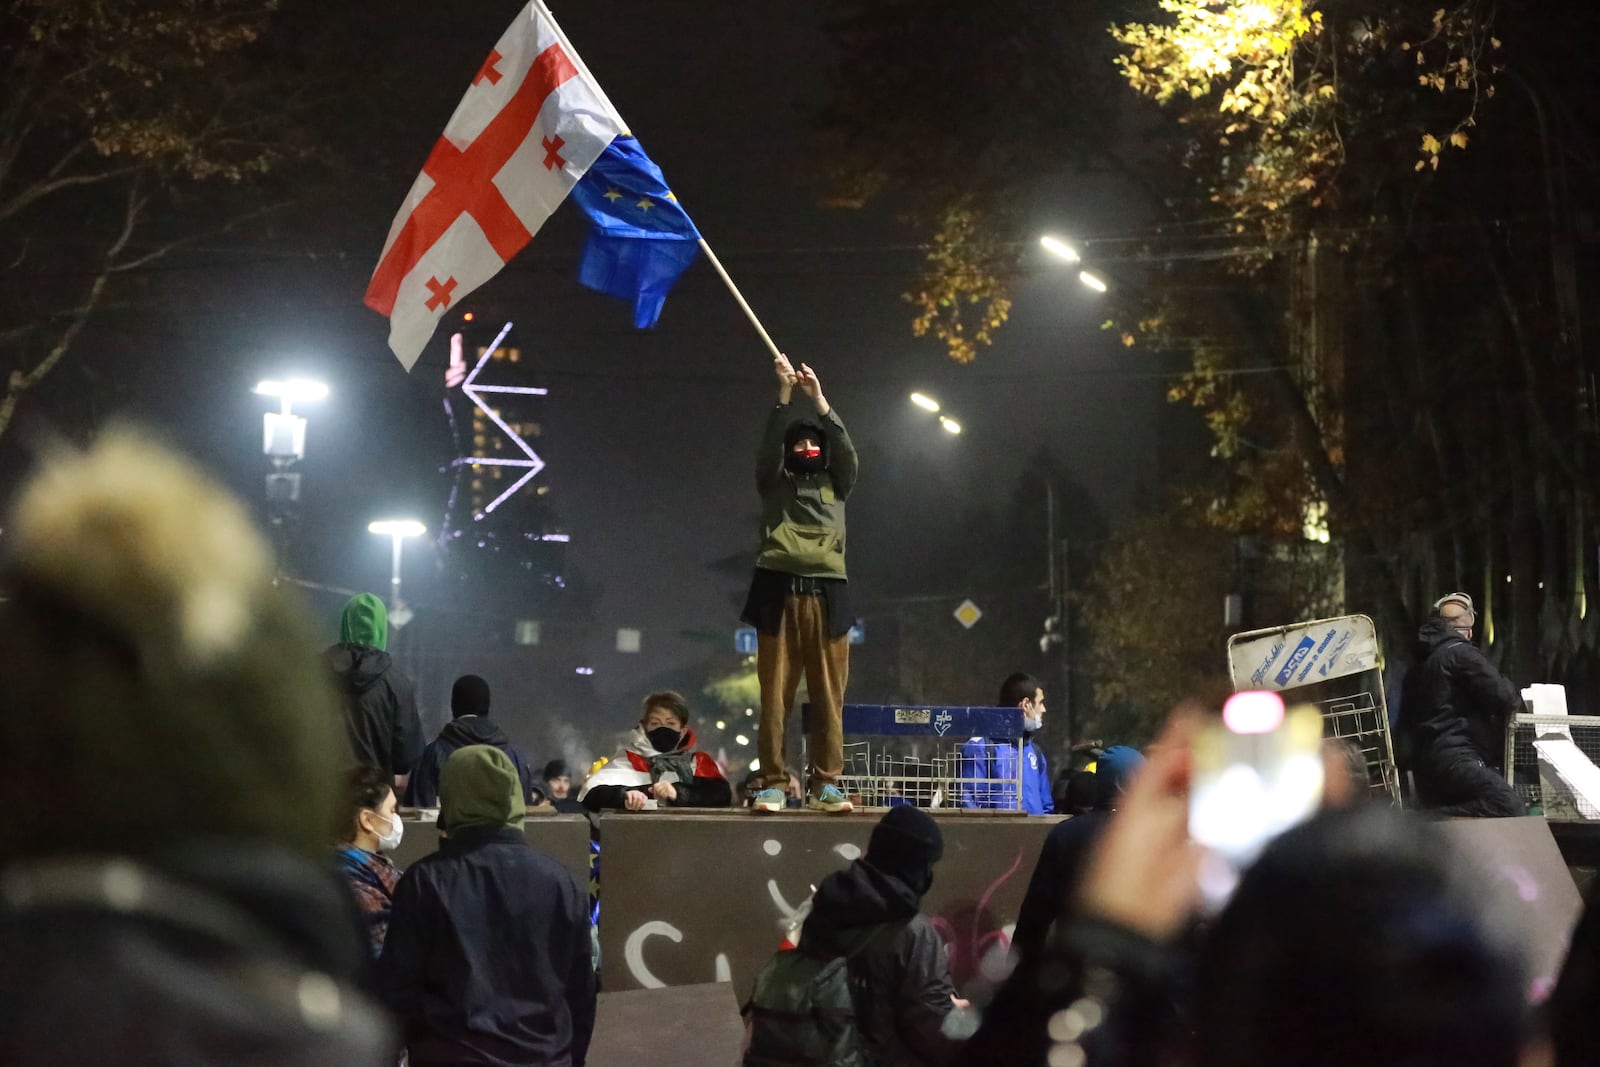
pixel 488 956
pixel 1067 847
pixel 1356 937
pixel 174 758
pixel 373 827
pixel 658 766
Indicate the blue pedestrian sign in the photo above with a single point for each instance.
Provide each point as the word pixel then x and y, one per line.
pixel 744 640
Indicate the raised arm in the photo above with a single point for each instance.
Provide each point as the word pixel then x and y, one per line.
pixel 769 456
pixel 843 463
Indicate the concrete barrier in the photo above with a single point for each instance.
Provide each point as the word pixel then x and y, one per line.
pixel 689 899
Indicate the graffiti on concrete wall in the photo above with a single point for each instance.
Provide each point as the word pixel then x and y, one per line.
pixel 710 898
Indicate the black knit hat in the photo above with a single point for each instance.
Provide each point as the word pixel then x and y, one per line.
pixel 905 843
pixel 556 768
pixel 469 696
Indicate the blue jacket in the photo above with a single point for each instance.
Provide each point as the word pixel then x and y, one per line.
pixel 981 758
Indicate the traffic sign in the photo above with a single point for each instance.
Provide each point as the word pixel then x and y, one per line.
pixel 744 640
pixel 968 614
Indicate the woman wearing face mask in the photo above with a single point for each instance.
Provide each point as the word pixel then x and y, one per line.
pixel 373 827
pixel 658 764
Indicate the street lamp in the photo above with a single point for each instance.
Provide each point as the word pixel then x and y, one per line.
pixel 398 530
pixel 283 441
pixel 951 426
pixel 284 432
pixel 1060 248
pixel 1092 280
pixel 925 402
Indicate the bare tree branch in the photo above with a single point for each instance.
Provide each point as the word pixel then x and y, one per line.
pixel 39 190
pixel 20 382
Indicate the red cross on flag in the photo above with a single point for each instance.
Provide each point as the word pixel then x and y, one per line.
pixel 530 126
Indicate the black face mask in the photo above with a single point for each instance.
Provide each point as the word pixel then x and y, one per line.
pixel 664 738
pixel 801 463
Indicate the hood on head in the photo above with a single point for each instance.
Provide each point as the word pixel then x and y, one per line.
pixel 479 787
pixel 801 430
pixel 130 580
pixel 358 666
pixel 469 696
pixel 1113 771
pixel 365 621
pixel 906 843
pixel 860 895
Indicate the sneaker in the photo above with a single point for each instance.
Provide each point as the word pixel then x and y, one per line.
pixel 830 800
pixel 769 800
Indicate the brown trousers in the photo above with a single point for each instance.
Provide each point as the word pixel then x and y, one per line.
pixel 802 645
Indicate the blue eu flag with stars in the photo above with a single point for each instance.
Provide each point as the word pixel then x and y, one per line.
pixel 641 240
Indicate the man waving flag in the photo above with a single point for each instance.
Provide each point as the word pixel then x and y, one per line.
pixel 533 127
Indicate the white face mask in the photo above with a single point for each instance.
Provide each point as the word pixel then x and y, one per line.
pixel 1032 723
pixel 390 841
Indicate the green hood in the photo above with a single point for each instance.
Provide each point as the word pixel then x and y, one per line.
pixel 479 787
pixel 365 622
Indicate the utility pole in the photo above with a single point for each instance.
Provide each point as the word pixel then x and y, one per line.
pixel 1058 626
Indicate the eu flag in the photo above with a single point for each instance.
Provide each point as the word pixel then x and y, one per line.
pixel 641 240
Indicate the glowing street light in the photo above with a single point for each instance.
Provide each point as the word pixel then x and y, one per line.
pixel 1056 246
pixel 397 530
pixel 951 426
pixel 294 389
pixel 283 436
pixel 1092 280
pixel 925 402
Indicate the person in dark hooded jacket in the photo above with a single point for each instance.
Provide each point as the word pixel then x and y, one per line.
pixel 1067 848
pixel 470 725
pixel 1456 706
pixel 899 971
pixel 380 703
pixel 487 960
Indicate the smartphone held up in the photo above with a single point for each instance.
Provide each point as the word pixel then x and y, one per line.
pixel 1257 771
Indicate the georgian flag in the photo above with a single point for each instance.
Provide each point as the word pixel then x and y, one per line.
pixel 532 125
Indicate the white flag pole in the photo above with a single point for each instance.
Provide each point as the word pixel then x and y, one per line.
pixel 738 296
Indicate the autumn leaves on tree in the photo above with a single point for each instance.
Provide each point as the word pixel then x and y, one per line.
pixel 1362 238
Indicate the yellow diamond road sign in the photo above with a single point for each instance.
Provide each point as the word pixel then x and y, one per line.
pixel 968 614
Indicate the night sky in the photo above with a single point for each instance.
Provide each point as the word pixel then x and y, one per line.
pixel 649 435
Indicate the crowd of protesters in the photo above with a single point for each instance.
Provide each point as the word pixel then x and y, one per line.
pixel 163 897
